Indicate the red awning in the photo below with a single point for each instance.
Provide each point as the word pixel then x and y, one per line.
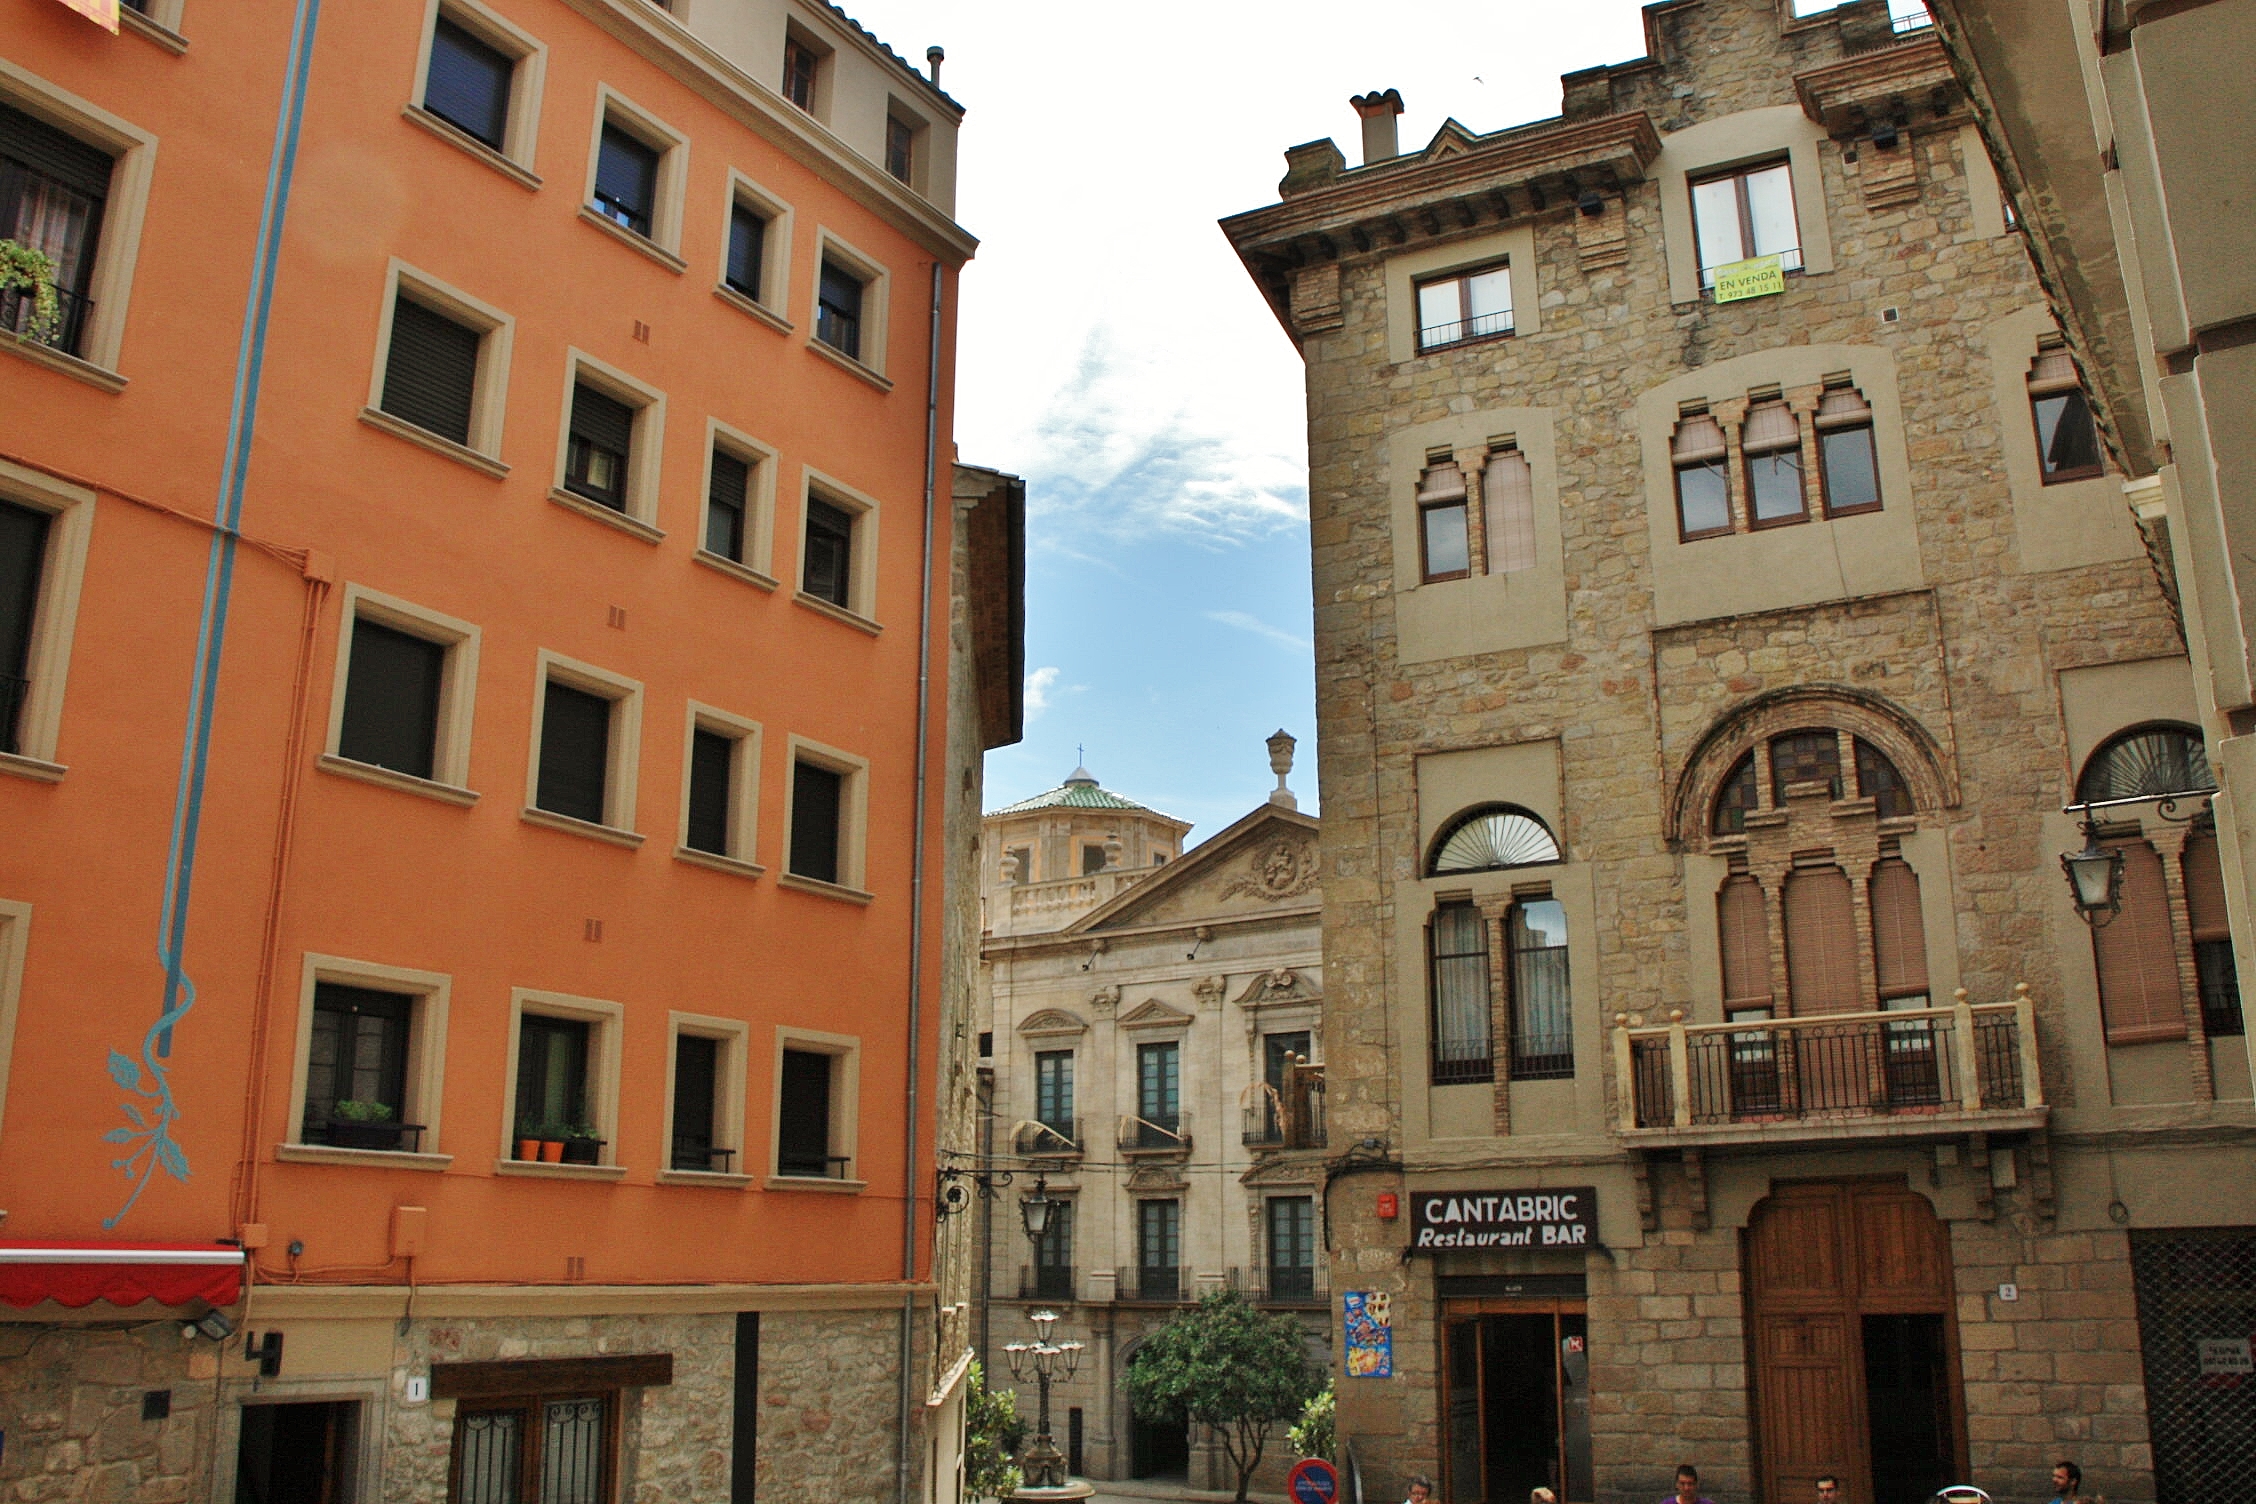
pixel 124 1274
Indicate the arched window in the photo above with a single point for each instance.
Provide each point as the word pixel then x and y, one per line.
pixel 1812 756
pixel 1542 1022
pixel 1737 799
pixel 1492 837
pixel 2147 762
pixel 1878 780
pixel 1809 755
pixel 1457 967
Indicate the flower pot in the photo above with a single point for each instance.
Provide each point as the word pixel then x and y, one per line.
pixel 583 1151
pixel 346 1133
pixel 551 1151
pixel 528 1149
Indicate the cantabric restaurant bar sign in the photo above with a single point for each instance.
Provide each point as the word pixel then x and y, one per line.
pixel 1566 1217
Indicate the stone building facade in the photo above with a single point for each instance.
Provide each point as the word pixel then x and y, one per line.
pixel 1153 1052
pixel 1721 603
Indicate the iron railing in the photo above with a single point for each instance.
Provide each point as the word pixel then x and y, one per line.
pixel 1295 1122
pixel 1152 1286
pixel 1164 1133
pixel 1045 1282
pixel 1434 336
pixel 1542 1057
pixel 1046 1136
pixel 1460 1062
pixel 1286 1285
pixel 1837 1066
pixel 19 306
pixel 828 1167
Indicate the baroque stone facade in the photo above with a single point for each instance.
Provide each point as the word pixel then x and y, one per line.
pixel 1785 768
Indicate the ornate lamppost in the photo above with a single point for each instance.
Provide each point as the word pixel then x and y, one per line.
pixel 1045 1362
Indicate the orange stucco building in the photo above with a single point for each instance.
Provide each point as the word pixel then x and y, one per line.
pixel 492 640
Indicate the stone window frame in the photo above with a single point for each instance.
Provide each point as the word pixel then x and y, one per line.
pixel 606 1022
pixel 663 243
pixel 853 820
pixel 869 358
pixel 844 1133
pixel 773 300
pixel 430 992
pixel 1513 246
pixel 757 566
pixel 489 402
pixel 520 140
pixel 865 511
pixel 742 856
pixel 458 694
pixel 1731 414
pixel 69 508
pixel 1747 138
pixel 645 453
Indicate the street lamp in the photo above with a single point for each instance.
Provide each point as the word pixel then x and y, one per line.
pixel 1044 1361
pixel 2095 877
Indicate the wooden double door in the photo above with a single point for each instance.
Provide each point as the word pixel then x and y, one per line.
pixel 1854 1344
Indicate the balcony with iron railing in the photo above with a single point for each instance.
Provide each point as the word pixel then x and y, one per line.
pixel 1282 1285
pixel 1152 1287
pixel 1161 1134
pixel 1902 1072
pixel 19 313
pixel 1043 1138
pixel 1292 1120
pixel 1045 1282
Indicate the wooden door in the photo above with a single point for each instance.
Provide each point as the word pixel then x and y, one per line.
pixel 1820 1259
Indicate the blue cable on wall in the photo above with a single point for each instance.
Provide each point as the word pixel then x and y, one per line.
pixel 151 1109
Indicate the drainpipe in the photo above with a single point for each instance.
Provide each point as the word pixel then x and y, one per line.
pixel 916 899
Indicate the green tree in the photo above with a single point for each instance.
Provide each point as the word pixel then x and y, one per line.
pixel 993 1433
pixel 1229 1366
pixel 1311 1435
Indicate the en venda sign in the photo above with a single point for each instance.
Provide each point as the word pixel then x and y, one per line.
pixel 1755 278
pixel 103 13
pixel 1562 1218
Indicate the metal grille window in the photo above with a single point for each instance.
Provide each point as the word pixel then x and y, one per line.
pixel 1743 214
pixel 52 191
pixel 829 571
pixel 468 83
pixel 539 1450
pixel 626 179
pixel 575 753
pixel 747 250
pixel 838 309
pixel 357 1053
pixel 712 780
pixel 726 498
pixel 1494 837
pixel 23 562
pixel 597 451
pixel 431 370
pixel 1542 1021
pixel 2147 762
pixel 393 685
pixel 1703 478
pixel 2196 1291
pixel 2067 442
pixel 1463 1048
pixel 1465 306
pixel 817 799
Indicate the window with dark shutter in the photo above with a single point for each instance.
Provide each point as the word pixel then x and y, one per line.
pixel 602 438
pixel 552 1075
pixel 712 763
pixel 23 560
pixel 1821 943
pixel 2140 998
pixel 392 686
pixel 1743 925
pixel 817 797
pixel 626 179
pixel 468 85
pixel 575 753
pixel 2212 936
pixel 52 190
pixel 838 310
pixel 747 250
pixel 725 500
pixel 431 371
pixel 697 1073
pixel 830 553
pixel 803 1119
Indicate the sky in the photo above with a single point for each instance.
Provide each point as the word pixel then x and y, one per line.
pixel 1116 355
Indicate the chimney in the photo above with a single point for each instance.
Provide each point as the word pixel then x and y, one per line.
pixel 934 56
pixel 1379 111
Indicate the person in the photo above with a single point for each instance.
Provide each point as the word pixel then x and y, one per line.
pixel 1687 1487
pixel 2067 1481
pixel 1421 1490
pixel 1828 1489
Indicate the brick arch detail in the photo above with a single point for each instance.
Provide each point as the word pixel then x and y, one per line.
pixel 1918 755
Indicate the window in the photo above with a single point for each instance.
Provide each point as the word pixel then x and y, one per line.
pixel 2214 971
pixel 1278 1054
pixel 23 561
pixel 1490 838
pixel 607 462
pixel 1737 800
pixel 756 254
pixel 1159 1090
pixel 564 1063
pixel 1743 923
pixel 1092 859
pixel 467 85
pixel 53 190
pixel 1053 1096
pixel 1465 306
pixel 901 147
pixel 1159 1249
pixel 2147 762
pixel 803 70
pixel 442 370
pixel 838 309
pixel 823 837
pixel 804 1142
pixel 1821 944
pixel 1018 864
pixel 1508 503
pixel 1746 213
pixel 1542 1022
pixel 1703 477
pixel 406 680
pixel 828 571
pixel 1053 1255
pixel 727 497
pixel 626 179
pixel 1805 757
pixel 720 787
pixel 1292 1247
pixel 1457 951
pixel 584 746
pixel 534 1451
pixel 2067 442
pixel 747 250
pixel 1848 465
pixel 697 1069
pixel 356 1086
pixel 2137 955
pixel 1444 542
pixel 601 443
pixel 552 1076
pixel 1772 445
pixel 1878 780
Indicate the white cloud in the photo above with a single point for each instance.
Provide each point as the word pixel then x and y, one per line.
pixel 1038 690
pixel 1247 622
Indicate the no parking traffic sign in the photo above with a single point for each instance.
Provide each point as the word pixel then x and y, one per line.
pixel 1313 1482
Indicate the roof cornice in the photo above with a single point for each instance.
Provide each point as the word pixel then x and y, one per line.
pixel 1842 96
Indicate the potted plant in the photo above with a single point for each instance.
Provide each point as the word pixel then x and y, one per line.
pixel 581 1146
pixel 31 270
pixel 363 1125
pixel 551 1143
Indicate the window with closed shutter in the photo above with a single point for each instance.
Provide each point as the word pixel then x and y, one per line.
pixel 747 250
pixel 817 800
pixel 468 83
pixel 392 687
pixel 1899 937
pixel 1821 943
pixel 697 1073
pixel 829 570
pixel 626 179
pixel 1743 927
pixel 712 765
pixel 838 309
pixel 23 562
pixel 575 753
pixel 1508 500
pixel 725 500
pixel 2139 994
pixel 2212 936
pixel 596 454
pixel 431 370
pixel 803 1145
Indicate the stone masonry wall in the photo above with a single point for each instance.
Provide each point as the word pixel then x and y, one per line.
pixel 71 1411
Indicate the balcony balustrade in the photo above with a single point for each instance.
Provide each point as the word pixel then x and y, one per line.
pixel 1166 1134
pixel 1287 1122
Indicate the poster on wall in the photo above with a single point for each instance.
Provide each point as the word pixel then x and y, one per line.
pixel 1370 1334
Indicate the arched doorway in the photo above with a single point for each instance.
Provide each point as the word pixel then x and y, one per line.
pixel 1855 1346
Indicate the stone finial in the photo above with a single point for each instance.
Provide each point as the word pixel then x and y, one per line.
pixel 1379 110
pixel 1280 763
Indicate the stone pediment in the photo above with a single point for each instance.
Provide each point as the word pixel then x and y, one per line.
pixel 1146 1178
pixel 1267 860
pixel 1451 139
pixel 1154 1014
pixel 1281 986
pixel 1052 1021
pixel 1283 1172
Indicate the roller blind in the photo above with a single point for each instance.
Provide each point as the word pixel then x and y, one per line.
pixel 431 373
pixel 2205 888
pixel 1821 948
pixel 602 421
pixel 1771 425
pixel 1508 497
pixel 2140 997
pixel 575 752
pixel 55 154
pixel 1699 437
pixel 1899 940
pixel 1744 929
